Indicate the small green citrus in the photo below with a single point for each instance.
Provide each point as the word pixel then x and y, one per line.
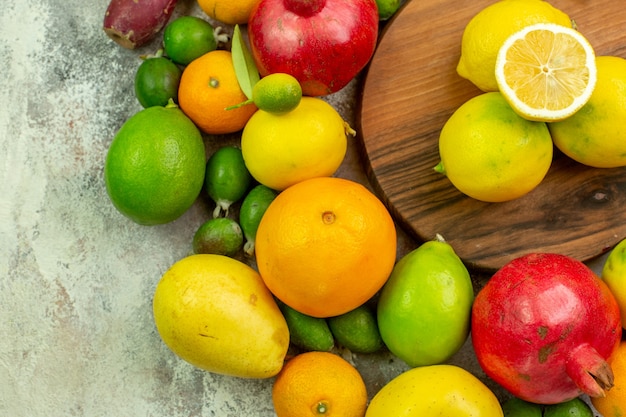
pixel 277 93
pixel 154 168
pixel 516 407
pixel 572 408
pixel 492 154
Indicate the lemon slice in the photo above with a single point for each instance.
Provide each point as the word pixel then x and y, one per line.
pixel 546 72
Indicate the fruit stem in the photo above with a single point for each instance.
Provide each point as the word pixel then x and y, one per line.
pixel 348 129
pixel 439 168
pixel 219 36
pixel 589 371
pixel 236 106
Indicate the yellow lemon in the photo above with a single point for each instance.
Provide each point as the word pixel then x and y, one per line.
pixel 282 149
pixel 596 134
pixel 488 29
pixel 492 154
pixel 546 72
pixel 215 313
pixel 614 275
pixel 435 390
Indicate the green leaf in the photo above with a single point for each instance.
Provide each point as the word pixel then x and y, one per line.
pixel 245 68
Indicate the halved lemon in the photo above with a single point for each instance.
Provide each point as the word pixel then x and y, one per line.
pixel 546 72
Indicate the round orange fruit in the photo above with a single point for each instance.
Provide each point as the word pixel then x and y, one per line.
pixel 208 86
pixel 325 246
pixel 319 384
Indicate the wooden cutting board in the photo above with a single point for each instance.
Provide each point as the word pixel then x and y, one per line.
pixel 409 91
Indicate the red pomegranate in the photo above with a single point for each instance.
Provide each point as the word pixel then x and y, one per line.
pixel 324 44
pixel 543 327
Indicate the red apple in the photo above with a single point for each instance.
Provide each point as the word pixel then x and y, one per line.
pixel 322 43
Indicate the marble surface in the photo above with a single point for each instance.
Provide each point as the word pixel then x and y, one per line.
pixel 76 277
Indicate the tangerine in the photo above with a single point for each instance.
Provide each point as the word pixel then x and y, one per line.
pixel 319 384
pixel 325 246
pixel 207 87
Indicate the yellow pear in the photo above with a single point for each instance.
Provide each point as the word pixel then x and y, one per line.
pixel 216 313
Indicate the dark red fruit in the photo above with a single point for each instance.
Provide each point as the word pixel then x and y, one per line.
pixel 322 43
pixel 543 327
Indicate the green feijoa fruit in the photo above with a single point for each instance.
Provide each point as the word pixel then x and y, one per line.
pixel 572 408
pixel 251 212
pixel 221 236
pixel 425 306
pixel 156 81
pixel 516 407
pixel 226 179
pixel 307 332
pixel 357 330
pixel 187 38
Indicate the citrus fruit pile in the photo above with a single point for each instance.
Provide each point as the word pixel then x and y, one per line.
pixel 530 55
pixel 295 269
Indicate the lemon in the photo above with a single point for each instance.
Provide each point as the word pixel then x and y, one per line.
pixel 425 307
pixel 596 135
pixel 215 313
pixel 432 391
pixel 488 29
pixel 280 150
pixel 546 72
pixel 277 93
pixel 154 167
pixel 614 275
pixel 492 154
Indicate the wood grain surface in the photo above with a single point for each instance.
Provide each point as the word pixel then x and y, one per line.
pixel 409 91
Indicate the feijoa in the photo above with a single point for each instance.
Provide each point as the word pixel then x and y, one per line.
pixel 252 209
pixel 220 236
pixel 226 179
pixel 156 81
pixel 307 332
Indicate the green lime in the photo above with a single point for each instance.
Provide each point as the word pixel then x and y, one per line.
pixel 277 93
pixel 387 8
pixel 156 81
pixel 227 179
pixel 251 212
pixel 573 408
pixel 307 332
pixel 357 330
pixel 154 168
pixel 425 306
pixel 220 236
pixel 516 407
pixel 187 38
